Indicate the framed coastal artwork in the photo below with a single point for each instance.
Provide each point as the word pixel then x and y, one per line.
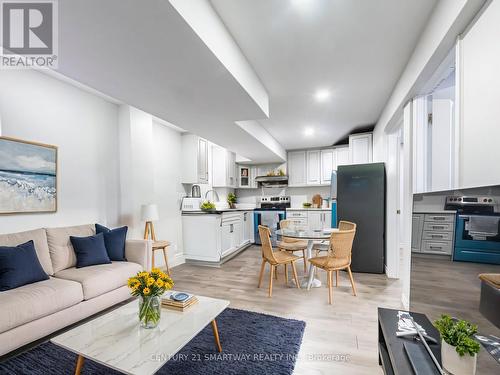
pixel 28 177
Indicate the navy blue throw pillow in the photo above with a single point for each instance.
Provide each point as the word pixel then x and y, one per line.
pixel 90 250
pixel 114 239
pixel 19 265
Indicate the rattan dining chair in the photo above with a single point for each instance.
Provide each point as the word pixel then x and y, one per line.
pixel 325 246
pixel 275 259
pixel 293 244
pixel 339 256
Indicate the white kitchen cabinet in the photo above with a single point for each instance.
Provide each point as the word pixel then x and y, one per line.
pixel 246 177
pixel 417 227
pixel 297 175
pixel 360 148
pixel 343 155
pixel 318 220
pixel 194 159
pixel 248 232
pixel 313 167
pixel 223 167
pixel 327 219
pixel 315 220
pixel 328 164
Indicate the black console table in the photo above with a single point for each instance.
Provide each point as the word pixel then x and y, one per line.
pixel 391 351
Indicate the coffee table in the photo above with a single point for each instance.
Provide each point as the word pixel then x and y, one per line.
pixel 117 341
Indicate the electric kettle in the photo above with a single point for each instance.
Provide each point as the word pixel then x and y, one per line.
pixel 196 191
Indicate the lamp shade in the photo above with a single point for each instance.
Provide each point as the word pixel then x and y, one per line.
pixel 149 212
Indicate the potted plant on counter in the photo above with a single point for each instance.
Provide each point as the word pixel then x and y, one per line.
pixel 458 347
pixel 231 199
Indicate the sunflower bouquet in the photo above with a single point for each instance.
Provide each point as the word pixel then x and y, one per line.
pixel 149 286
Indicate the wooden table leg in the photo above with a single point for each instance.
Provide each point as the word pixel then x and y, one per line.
pixel 79 364
pixel 216 336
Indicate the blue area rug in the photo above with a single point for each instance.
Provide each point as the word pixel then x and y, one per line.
pixel 252 343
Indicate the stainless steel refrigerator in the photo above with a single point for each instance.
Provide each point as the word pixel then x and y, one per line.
pixel 361 199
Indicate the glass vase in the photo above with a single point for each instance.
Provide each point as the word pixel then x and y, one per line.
pixel 149 311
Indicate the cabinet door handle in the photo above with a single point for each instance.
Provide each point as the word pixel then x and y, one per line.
pixel 438 227
pixel 438 218
pixel 437 236
pixel 231 228
pixel 435 247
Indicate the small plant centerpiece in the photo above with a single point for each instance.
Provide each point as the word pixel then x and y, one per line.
pixel 231 199
pixel 149 286
pixel 458 347
pixel 207 206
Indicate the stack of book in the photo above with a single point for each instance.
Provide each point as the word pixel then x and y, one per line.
pixel 168 300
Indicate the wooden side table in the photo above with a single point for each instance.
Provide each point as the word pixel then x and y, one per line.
pixel 161 245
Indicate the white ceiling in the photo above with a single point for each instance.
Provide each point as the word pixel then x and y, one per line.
pixel 148 56
pixel 355 48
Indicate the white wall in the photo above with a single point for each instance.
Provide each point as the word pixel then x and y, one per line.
pixel 37 107
pixel 150 165
pixel 480 94
pixel 168 190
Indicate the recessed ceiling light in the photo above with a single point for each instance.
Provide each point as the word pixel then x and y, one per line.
pixel 301 3
pixel 308 131
pixel 322 95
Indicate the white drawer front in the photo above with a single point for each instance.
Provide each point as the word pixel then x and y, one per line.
pixel 437 247
pixel 440 218
pixel 299 222
pixel 438 236
pixel 438 227
pixel 296 214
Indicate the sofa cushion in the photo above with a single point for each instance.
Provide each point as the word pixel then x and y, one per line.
pixel 114 239
pixel 60 247
pixel 34 301
pixel 102 278
pixel 90 250
pixel 19 266
pixel 39 238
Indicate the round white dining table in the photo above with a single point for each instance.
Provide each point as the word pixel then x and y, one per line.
pixel 310 236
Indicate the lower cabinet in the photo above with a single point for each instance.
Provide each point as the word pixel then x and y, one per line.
pixel 212 238
pixel 311 219
pixel 433 233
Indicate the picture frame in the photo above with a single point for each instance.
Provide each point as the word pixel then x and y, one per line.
pixel 28 177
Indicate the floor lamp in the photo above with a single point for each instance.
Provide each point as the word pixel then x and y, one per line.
pixel 149 213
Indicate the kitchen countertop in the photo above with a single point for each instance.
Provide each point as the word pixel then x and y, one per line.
pixel 452 212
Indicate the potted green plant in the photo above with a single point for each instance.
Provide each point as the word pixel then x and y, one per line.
pixel 458 347
pixel 231 199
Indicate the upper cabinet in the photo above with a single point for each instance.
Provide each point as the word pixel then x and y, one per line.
pixel 223 167
pixel 297 175
pixel 343 156
pixel 313 167
pixel 246 176
pixel 360 148
pixel 194 159
pixel 328 164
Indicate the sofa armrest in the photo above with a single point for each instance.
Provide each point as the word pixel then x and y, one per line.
pixel 139 251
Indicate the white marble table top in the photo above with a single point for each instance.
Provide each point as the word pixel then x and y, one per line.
pixel 116 339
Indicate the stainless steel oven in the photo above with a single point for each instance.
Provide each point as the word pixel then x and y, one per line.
pixel 272 210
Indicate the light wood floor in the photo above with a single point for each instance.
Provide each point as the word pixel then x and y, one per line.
pixel 348 327
pixel 440 286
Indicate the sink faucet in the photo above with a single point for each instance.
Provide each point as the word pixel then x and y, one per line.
pixel 214 194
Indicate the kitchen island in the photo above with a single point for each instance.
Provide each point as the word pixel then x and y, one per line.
pixel 213 237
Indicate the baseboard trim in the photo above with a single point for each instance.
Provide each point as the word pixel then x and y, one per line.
pixel 178 260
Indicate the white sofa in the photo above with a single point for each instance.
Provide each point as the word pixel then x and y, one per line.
pixel 70 294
